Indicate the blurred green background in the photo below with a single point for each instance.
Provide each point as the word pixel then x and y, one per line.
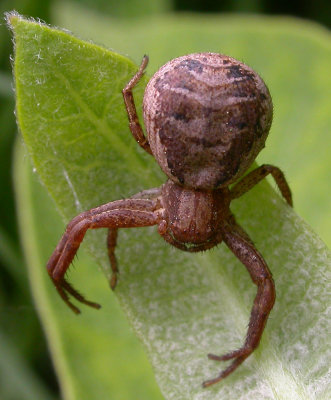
pixel 24 357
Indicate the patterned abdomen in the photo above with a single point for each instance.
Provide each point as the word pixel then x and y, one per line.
pixel 207 117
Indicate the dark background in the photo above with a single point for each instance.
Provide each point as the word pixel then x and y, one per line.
pixel 14 293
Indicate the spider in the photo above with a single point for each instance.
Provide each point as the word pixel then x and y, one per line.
pixel 207 117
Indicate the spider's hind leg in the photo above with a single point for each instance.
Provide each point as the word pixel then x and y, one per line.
pixel 134 124
pixel 255 176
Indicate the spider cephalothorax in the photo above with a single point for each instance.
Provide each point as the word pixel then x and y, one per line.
pixel 207 117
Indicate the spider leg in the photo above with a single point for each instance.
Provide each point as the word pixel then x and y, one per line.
pixel 263 302
pixel 255 176
pixel 111 244
pixel 148 194
pixel 64 287
pixel 135 126
pixel 118 214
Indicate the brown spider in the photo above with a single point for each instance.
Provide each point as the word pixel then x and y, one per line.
pixel 207 117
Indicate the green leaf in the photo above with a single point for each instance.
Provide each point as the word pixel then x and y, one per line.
pixel 182 306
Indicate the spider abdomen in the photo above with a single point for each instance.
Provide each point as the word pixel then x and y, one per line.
pixel 207 116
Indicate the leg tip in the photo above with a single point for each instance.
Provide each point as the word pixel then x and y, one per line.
pixel 97 306
pixel 73 308
pixel 113 281
pixel 211 382
pixel 214 357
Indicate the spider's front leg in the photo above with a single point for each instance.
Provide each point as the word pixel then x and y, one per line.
pixel 149 194
pixel 240 244
pixel 111 246
pixel 127 213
